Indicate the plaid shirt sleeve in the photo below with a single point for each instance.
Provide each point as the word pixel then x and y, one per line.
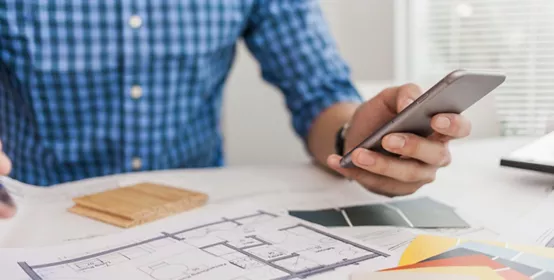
pixel 296 52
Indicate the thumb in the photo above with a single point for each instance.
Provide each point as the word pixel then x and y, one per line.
pixel 7 206
pixel 5 163
pixel 6 212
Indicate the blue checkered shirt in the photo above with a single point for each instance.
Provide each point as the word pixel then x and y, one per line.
pixel 92 88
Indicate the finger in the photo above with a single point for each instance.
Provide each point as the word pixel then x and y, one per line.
pixel 435 153
pixel 7 206
pixel 5 164
pixel 407 94
pixel 375 183
pixel 452 125
pixel 6 212
pixel 408 171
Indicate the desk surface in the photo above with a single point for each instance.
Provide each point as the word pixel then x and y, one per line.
pixel 474 183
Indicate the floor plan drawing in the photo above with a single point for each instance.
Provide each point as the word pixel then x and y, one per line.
pixel 260 245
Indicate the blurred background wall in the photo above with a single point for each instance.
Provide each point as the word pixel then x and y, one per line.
pixel 364 31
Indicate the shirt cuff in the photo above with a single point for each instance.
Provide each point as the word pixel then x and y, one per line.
pixel 303 119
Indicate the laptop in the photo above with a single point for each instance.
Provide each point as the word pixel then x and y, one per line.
pixel 538 155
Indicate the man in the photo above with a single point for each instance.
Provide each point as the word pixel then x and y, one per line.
pixel 91 88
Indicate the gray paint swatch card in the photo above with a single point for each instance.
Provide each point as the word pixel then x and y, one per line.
pixel 458 252
pixel 544 276
pixel 328 217
pixel 519 267
pixel 417 213
pixel 426 213
pixel 375 215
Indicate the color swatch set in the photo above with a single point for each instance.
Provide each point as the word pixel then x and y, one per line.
pixel 430 257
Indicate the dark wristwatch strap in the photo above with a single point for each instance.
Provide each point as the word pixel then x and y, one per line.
pixel 339 140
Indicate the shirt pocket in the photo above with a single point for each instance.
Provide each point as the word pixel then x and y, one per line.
pixel 73 36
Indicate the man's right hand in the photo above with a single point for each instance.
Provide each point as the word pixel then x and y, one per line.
pixel 7 206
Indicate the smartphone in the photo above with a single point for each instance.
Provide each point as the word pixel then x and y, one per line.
pixel 454 93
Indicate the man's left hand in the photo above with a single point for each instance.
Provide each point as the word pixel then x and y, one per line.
pixel 420 158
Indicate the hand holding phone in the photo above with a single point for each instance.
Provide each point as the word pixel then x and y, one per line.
pixel 408 132
pixel 455 93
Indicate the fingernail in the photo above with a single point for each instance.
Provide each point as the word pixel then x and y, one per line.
pixel 333 160
pixel 5 197
pixel 407 103
pixel 396 141
pixel 364 158
pixel 442 122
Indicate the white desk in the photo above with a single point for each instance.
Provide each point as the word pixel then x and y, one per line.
pixel 474 183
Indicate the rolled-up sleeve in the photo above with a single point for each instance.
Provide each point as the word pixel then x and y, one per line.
pixel 296 52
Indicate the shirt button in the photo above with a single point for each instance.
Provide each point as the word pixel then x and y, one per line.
pixel 136 163
pixel 135 21
pixel 136 92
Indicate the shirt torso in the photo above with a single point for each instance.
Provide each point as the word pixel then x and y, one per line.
pixel 90 88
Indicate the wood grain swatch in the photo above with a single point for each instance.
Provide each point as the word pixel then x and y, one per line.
pixel 137 204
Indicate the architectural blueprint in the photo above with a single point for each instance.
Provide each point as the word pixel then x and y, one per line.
pixel 257 245
pixel 396 239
